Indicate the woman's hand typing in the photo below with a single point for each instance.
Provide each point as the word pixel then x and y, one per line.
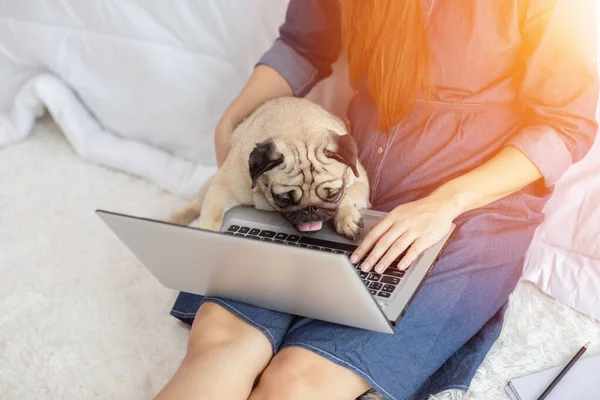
pixel 420 224
pixel 414 226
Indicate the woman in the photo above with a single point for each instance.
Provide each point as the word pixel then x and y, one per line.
pixel 463 111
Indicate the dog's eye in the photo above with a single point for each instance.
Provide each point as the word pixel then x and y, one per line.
pixel 284 199
pixel 334 195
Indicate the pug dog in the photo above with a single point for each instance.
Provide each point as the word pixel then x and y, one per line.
pixel 289 156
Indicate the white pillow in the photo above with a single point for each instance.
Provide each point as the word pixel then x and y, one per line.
pixel 160 72
pixel 133 74
pixel 564 257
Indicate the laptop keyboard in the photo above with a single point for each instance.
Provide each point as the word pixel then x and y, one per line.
pixel 380 285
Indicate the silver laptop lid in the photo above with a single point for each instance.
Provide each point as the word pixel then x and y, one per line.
pixel 283 278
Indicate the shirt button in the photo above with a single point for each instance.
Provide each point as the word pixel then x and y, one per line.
pixel 380 150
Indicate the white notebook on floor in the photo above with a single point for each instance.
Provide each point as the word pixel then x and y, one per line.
pixel 582 382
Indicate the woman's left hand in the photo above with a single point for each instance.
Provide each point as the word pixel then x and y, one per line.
pixel 415 226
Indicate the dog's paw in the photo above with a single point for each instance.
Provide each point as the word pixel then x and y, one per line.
pixel 183 217
pixel 209 223
pixel 348 221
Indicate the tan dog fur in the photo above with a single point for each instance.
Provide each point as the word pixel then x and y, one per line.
pixel 297 137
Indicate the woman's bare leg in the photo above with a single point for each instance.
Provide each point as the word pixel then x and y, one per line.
pixel 224 356
pixel 298 374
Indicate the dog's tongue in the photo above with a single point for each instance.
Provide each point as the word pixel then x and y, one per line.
pixel 311 226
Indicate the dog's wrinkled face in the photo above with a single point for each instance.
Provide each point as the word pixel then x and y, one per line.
pixel 304 179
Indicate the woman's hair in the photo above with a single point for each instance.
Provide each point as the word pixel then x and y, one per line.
pixel 386 42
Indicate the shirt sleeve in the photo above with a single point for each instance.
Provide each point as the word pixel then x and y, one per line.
pixel 309 43
pixel 559 86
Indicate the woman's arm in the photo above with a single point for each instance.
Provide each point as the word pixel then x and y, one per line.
pixel 309 43
pixel 559 94
pixel 509 171
pixel 264 84
pixel 424 222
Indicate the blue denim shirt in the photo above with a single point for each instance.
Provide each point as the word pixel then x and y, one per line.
pixel 479 103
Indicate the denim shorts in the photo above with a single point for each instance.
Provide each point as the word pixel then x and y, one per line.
pixel 438 344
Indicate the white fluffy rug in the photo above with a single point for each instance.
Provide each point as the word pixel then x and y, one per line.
pixel 81 319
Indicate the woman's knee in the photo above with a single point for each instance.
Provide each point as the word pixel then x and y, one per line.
pixel 296 373
pixel 216 328
pixel 282 380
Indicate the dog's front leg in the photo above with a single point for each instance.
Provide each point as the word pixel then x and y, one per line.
pixel 348 220
pixel 219 199
pixel 192 210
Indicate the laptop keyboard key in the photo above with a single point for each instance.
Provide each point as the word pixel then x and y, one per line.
pixel 264 239
pixel 233 228
pixel 311 240
pixel 228 233
pixel 390 279
pixel 267 234
pixel 388 288
pixel 384 294
pixel 373 276
pixel 253 237
pixel 281 236
pixel 373 292
pixel 254 231
pixel 278 241
pixel 244 229
pixel 239 235
pixel 394 272
pixel 362 274
pixel 293 238
pixel 375 285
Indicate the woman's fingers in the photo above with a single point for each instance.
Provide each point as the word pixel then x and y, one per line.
pixel 397 248
pixel 371 238
pixel 381 247
pixel 418 247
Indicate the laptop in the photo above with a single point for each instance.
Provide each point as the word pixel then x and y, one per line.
pixel 260 259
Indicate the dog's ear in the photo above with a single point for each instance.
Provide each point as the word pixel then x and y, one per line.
pixel 263 158
pixel 346 151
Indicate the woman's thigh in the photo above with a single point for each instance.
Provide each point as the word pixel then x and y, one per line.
pixel 224 357
pixel 215 327
pixel 272 324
